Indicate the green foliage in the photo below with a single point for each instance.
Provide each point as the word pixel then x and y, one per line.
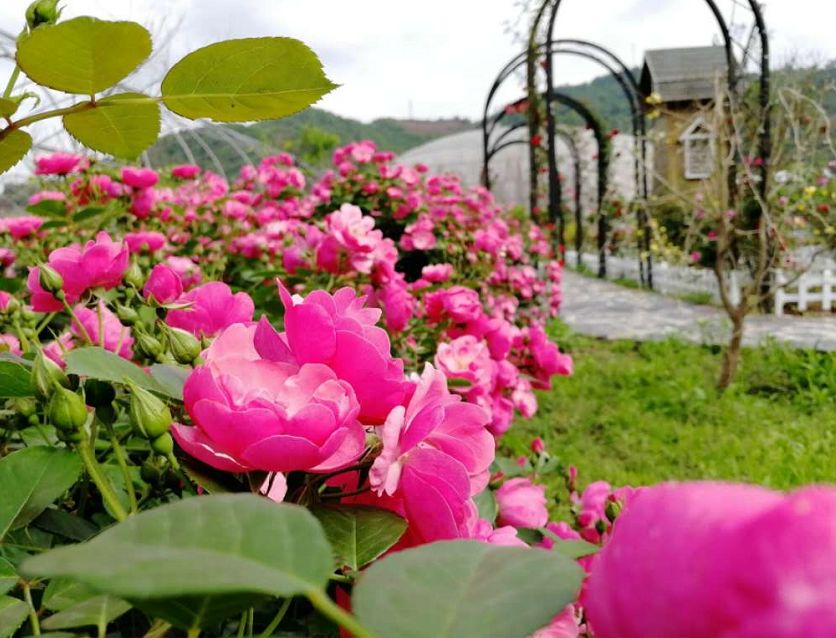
pixel 8 576
pixel 30 480
pixel 83 55
pixel 97 611
pixel 14 144
pixel 359 534
pixel 256 545
pixel 465 589
pixel 641 413
pixel 246 79
pixel 15 379
pixel 97 363
pixel 122 125
pixel 12 614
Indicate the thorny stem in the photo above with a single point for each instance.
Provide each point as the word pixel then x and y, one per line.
pixel 80 325
pixel 95 473
pixel 119 453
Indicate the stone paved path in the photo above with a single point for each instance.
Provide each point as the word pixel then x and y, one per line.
pixel 603 309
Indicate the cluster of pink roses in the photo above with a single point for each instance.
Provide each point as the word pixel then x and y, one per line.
pixel 460 284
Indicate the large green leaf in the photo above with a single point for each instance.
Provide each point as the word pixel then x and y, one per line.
pixel 14 144
pixel 8 576
pixel 8 106
pixel 244 80
pixel 31 479
pixel 49 208
pixel 123 125
pixel 15 380
pixel 465 589
pixel 97 611
pixel 97 363
pixel 171 377
pixel 12 614
pixel 209 545
pixel 359 534
pixel 83 55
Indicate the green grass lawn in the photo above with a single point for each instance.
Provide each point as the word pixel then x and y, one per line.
pixel 640 413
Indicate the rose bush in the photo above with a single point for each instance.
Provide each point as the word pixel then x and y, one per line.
pixel 275 404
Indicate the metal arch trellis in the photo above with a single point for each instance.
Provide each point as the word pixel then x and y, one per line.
pixel 632 93
pixel 764 141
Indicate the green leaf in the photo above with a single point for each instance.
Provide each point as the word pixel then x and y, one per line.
pixel 62 593
pixel 83 55
pixel 359 534
pixel 12 614
pixel 8 106
pixel 171 377
pixel 572 548
pixel 244 80
pixel 8 576
pixel 97 363
pixel 14 144
pixel 88 213
pixel 187 612
pixel 31 479
pixel 97 611
pixel 209 545
pixel 67 525
pixel 486 504
pixel 211 480
pixel 464 589
pixel 15 380
pixel 122 125
pixel 49 208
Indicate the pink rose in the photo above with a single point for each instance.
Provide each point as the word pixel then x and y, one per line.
pixel 718 559
pixel 522 504
pixel 465 358
pixel 116 337
pixel 458 303
pixel 10 343
pixel 60 164
pixel 213 308
pixel 437 273
pixel 186 269
pixel 434 418
pixel 98 264
pixel 341 333
pixel 350 241
pixel 22 226
pixel 144 241
pixel 548 359
pixel 506 536
pixel 163 285
pixel 251 413
pixel 139 177
pixel 185 171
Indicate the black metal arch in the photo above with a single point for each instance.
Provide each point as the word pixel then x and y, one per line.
pixel 764 143
pixel 632 93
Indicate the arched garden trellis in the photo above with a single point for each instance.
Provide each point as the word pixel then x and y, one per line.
pixel 764 143
pixel 630 88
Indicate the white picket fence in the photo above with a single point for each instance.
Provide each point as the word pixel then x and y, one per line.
pixel 812 287
pixel 815 287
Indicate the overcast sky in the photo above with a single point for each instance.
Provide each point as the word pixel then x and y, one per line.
pixel 437 58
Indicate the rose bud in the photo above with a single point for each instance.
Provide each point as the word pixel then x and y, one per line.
pixel 67 410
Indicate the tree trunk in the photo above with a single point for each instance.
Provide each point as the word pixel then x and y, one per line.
pixel 731 357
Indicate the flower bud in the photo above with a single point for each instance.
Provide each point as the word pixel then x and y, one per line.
pixel 24 406
pixel 184 346
pixel 42 12
pixel 66 409
pixel 150 417
pixel 50 279
pixel 134 276
pixel 151 472
pixel 12 306
pixel 127 315
pixel 612 509
pixel 163 445
pixel 148 345
pixel 46 374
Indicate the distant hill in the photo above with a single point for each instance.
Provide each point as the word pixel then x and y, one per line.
pixel 259 139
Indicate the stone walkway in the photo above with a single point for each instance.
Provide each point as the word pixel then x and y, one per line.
pixel 603 309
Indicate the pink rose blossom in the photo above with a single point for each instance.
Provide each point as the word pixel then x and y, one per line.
pixel 717 559
pixel 185 171
pixel 252 413
pixel 98 264
pixel 145 241
pixel 437 273
pixel 522 504
pixel 139 177
pixel 163 285
pixel 60 164
pixel 213 308
pixel 10 343
pixel 434 418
